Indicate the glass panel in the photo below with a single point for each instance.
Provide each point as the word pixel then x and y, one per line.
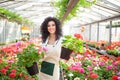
pixel 101 11
pixel 106 10
pixel 116 2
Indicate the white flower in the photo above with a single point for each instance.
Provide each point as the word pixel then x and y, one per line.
pixel 70 74
pixel 96 68
pixel 77 78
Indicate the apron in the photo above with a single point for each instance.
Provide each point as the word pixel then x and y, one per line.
pixel 50 64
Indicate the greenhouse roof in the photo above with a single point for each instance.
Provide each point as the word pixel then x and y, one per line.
pixel 37 10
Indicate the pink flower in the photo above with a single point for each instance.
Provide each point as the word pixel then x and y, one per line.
pixel 18 44
pixel 79 56
pixel 109 67
pixel 89 68
pixel 101 63
pixel 114 63
pixel 118 78
pixel 78 64
pixel 19 50
pixel 45 48
pixel 81 70
pixel 118 73
pixel 10 61
pixel 14 51
pixel 74 68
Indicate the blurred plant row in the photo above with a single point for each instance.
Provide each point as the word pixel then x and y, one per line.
pixel 84 63
pixel 89 64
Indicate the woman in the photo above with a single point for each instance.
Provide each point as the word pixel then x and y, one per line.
pixel 103 48
pixel 51 37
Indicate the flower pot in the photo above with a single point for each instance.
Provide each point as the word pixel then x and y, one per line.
pixel 65 53
pixel 33 69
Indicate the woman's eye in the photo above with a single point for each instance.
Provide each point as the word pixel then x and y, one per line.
pixel 48 25
pixel 51 25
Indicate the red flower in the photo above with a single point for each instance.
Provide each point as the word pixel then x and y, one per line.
pixel 12 75
pixel 26 76
pixel 32 79
pixel 13 71
pixel 7 67
pixel 88 51
pixel 118 58
pixel 3 71
pixel 94 76
pixel 108 47
pixel 21 74
pixel 1 60
pixel 114 77
pixel 79 36
pixel 104 58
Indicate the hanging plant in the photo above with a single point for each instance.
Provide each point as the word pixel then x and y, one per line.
pixel 12 16
pixel 115 24
pixel 62 8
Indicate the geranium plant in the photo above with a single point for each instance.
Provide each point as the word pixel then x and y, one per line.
pixel 72 43
pixel 9 70
pixel 28 56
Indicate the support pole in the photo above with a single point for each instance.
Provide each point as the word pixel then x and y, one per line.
pixel 110 32
pixel 98 32
pixel 90 32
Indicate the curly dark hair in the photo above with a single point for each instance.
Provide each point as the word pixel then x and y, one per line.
pixel 44 30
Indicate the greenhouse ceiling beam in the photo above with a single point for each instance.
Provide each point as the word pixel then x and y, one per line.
pixel 95 13
pixel 23 7
pixel 107 19
pixel 43 1
pixel 4 1
pixel 107 7
pixel 70 6
pixel 105 11
pixel 108 2
pixel 10 3
pixel 14 5
pixel 5 4
pixel 90 16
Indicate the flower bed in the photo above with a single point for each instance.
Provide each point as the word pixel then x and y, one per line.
pixel 9 67
pixel 91 66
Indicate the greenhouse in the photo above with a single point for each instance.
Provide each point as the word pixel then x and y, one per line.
pixel 59 39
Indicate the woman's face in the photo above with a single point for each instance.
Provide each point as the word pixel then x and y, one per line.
pixel 51 27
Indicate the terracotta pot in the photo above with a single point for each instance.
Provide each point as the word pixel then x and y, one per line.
pixel 33 69
pixel 65 53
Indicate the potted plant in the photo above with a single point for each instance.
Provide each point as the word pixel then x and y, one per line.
pixel 70 44
pixel 9 70
pixel 29 58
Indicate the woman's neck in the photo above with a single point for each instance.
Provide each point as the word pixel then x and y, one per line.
pixel 52 36
pixel 52 39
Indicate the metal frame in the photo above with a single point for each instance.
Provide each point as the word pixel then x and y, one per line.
pixel 70 6
pixel 12 4
pixel 107 19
